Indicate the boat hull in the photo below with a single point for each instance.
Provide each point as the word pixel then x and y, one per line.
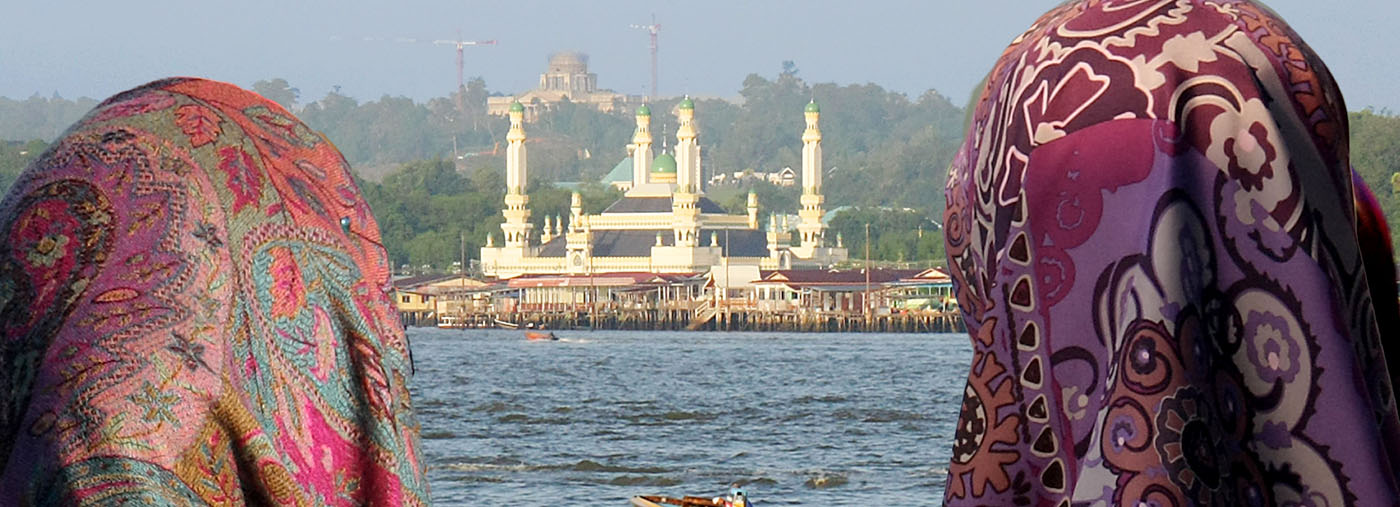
pixel 663 501
pixel 536 336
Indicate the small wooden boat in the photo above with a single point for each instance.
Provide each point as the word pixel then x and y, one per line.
pixel 685 501
pixel 450 322
pixel 537 336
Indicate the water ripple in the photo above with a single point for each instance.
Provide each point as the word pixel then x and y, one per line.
pixel 814 419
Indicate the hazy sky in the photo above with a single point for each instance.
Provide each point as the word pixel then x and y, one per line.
pixel 95 49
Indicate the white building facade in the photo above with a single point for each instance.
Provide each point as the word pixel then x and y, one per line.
pixel 663 223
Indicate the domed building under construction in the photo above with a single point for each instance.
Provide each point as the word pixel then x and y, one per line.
pixel 567 77
pixel 663 223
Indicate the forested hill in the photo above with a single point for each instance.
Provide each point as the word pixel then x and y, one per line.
pixel 880 147
pixel 39 117
pixel 883 150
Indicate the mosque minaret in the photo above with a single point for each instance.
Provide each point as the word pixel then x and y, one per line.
pixel 687 149
pixel 663 223
pixel 685 201
pixel 810 228
pixel 641 152
pixel 517 224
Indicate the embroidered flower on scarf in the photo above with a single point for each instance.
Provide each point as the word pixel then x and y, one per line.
pixel 288 291
pixel 1272 349
pixel 46 230
pixel 243 178
pixel 1245 143
pixel 155 403
pixel 48 250
pixel 189 351
pixel 1122 431
pixel 1194 451
pixel 199 123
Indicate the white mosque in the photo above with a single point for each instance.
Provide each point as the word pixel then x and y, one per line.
pixel 663 223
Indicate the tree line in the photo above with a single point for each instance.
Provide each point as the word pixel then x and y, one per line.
pixel 882 148
pixel 434 171
pixel 431 214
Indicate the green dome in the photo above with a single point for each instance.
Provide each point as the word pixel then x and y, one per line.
pixel 644 110
pixel 664 163
pixel 517 107
pixel 812 107
pixel 687 104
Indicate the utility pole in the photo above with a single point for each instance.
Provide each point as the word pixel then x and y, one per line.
pixel 725 252
pixel 462 297
pixel 593 303
pixel 652 29
pixel 866 299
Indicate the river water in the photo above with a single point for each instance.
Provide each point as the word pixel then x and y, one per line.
pixel 599 416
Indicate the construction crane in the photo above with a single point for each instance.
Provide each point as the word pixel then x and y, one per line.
pixel 460 90
pixel 462 44
pixel 652 29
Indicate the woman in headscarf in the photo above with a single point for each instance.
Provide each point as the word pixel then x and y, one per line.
pixel 193 311
pixel 1152 231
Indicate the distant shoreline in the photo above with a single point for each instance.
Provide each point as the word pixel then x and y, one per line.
pixel 742 320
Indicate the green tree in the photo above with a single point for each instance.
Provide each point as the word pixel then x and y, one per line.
pixel 472 97
pixel 896 235
pixel 15 157
pixel 880 148
pixel 40 118
pixel 789 68
pixel 431 214
pixel 1375 155
pixel 771 198
pixel 279 91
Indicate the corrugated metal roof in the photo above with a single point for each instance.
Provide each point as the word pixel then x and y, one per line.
pixel 409 282
pixel 599 280
pixel 931 274
pixel 845 287
pixel 556 247
pixel 640 205
pixel 741 242
pixel 822 277
pixel 658 205
pixel 626 243
pixel 638 243
pixel 711 207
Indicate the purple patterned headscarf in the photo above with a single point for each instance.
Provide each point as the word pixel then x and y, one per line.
pixel 1152 233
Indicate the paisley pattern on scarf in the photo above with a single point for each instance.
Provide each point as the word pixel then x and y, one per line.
pixel 185 320
pixel 1153 240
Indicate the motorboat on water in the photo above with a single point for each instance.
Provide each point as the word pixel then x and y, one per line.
pixel 540 336
pixel 737 498
pixel 685 501
pixel 451 322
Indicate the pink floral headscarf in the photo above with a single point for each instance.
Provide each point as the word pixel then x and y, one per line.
pixel 193 311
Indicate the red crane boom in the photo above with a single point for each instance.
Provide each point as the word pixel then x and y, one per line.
pixel 462 44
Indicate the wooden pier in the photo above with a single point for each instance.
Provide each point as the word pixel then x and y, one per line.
pixel 709 319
